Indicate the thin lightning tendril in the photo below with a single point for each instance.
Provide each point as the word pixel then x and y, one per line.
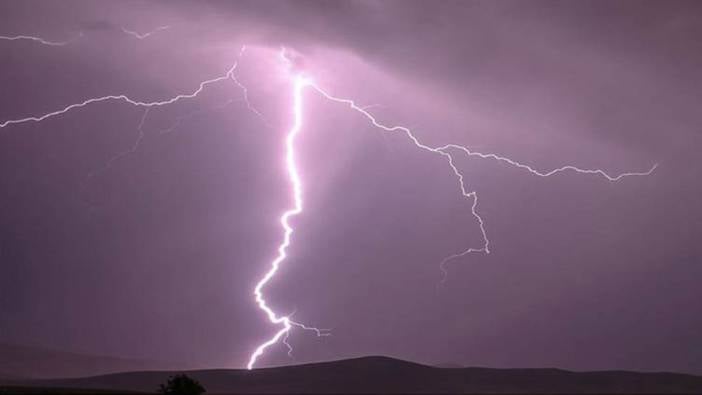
pixel 179 120
pixel 43 41
pixel 299 84
pixel 229 75
pixel 35 39
pixel 177 123
pixel 131 150
pixel 245 90
pixel 141 36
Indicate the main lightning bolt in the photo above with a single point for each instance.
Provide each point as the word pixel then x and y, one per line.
pixel 300 83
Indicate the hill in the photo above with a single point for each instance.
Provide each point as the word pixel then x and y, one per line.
pixel 387 375
pixel 23 362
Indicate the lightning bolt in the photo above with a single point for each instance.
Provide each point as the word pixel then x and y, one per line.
pixel 141 36
pixel 179 120
pixel 43 41
pixel 124 98
pixel 35 39
pixel 122 154
pixel 444 151
pixel 300 83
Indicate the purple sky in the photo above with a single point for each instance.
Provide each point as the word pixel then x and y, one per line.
pixel 156 254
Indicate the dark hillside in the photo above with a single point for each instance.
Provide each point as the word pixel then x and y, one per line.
pixel 387 375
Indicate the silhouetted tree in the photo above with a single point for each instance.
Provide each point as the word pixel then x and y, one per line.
pixel 181 384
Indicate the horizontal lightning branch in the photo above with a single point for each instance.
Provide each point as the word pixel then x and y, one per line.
pixel 124 98
pixel 299 84
pixel 43 41
pixel 35 39
pixel 550 172
pixel 445 152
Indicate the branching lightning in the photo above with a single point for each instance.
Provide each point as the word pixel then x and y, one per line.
pixel 300 84
pixel 38 118
pixel 444 151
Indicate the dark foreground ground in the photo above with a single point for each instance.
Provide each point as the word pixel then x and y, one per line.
pixel 379 375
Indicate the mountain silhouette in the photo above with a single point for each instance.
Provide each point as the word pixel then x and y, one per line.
pixel 387 375
pixel 24 362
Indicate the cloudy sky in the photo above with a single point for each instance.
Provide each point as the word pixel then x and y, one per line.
pixel 142 233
